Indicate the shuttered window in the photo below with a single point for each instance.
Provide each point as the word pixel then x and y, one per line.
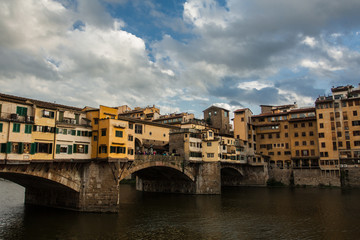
pixel 21 111
pixel 16 127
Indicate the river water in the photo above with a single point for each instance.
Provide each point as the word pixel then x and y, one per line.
pixel 239 213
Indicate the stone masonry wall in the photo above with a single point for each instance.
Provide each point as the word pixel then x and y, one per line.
pixel 350 177
pixel 99 192
pixel 315 177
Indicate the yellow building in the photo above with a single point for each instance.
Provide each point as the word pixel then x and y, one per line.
pixel 339 128
pixel 16 124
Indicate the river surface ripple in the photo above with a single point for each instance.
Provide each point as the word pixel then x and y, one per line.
pixel 239 213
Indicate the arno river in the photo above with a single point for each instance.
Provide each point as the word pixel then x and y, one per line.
pixel 239 213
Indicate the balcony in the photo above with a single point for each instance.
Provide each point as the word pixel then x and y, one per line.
pixel 71 121
pixel 13 117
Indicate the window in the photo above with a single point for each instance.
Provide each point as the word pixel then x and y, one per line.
pixel 81 148
pixel 262 136
pixel 210 155
pixel 323 145
pixel 320 115
pixel 295 125
pixel 103 132
pixel 73 132
pixel 312 143
pixel 119 134
pixel 285 126
pixel 356 123
pixel 1 127
pixel 334 146
pixel 338 124
pixel 64 131
pixel 296 134
pixel 354 113
pixel 311 133
pixel 48 114
pixel 321 125
pixel 304 143
pixel 302 124
pixel 310 124
pixel 303 134
pixel 321 135
pixel 96 121
pixel 138 129
pixel 356 143
pixel 210 134
pixel 286 135
pixel 21 111
pixel 355 133
pixel 28 129
pixel 131 126
pixel 16 127
pixel 95 138
pixel 278 135
pixel 44 148
pixel 208 144
pixel 130 138
pixel 296 143
pixel 226 114
pixel 103 149
pixel 114 149
pixel 242 119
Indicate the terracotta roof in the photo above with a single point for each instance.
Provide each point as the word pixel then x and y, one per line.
pixel 216 108
pixel 310 109
pixel 39 103
pixel 242 110
pixel 270 114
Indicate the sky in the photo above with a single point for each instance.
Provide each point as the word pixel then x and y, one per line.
pixel 182 56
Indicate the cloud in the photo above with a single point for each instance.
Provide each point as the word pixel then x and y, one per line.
pixel 98 63
pixel 242 48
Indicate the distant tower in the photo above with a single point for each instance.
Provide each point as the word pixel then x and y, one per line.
pixel 218 117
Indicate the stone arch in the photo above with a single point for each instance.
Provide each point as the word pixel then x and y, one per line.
pixel 158 164
pixel 33 175
pixel 236 169
pixel 231 176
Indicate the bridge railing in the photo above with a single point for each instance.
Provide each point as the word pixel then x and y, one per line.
pixel 158 158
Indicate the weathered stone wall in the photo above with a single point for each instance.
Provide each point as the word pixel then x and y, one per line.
pixel 208 180
pixel 280 175
pixel 315 177
pixel 99 191
pixel 255 175
pixel 350 177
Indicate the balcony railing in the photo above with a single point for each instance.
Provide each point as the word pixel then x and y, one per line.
pixel 13 117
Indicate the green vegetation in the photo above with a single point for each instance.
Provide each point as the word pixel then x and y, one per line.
pixel 273 183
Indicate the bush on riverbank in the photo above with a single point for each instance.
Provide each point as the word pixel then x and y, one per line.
pixel 273 183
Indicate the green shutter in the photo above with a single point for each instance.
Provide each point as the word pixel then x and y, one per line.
pixel 86 148
pixel 52 114
pixel 28 128
pixel 21 148
pixel 1 127
pixel 33 148
pixel 74 149
pixel 58 148
pixel 24 112
pixel 70 149
pixel 16 127
pixel 73 132
pixel 57 130
pixel 8 147
pixel 18 111
pixel 78 133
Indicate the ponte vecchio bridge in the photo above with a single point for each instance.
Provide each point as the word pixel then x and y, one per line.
pixel 93 185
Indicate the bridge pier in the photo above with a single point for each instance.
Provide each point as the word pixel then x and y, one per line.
pixel 99 189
